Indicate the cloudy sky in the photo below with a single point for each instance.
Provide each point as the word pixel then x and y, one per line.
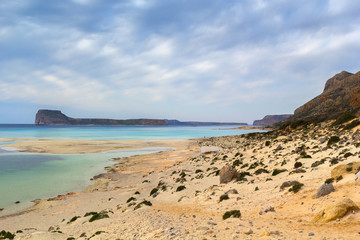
pixel 205 60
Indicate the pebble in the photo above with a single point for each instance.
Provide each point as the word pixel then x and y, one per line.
pixel 212 223
pixel 311 234
pixel 249 231
pixel 202 228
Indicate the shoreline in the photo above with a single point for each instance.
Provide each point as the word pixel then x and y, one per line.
pixel 187 201
pixel 99 182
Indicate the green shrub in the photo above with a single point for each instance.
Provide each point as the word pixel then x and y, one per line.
pixel 137 192
pixel 131 199
pixel 90 214
pixel 317 163
pixel 256 188
pixel 153 191
pixel 333 140
pixel 277 171
pixel 147 203
pixel 180 188
pixel 224 197
pixel 348 154
pixel 98 216
pixel 349 169
pixel 198 171
pixel 236 163
pixel 260 171
pixel 6 235
pixel 232 213
pixel 339 178
pixel 296 187
pixel 329 180
pixel 73 219
pixel 267 143
pixel 297 164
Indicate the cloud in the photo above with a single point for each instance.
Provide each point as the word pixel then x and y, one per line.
pixel 150 57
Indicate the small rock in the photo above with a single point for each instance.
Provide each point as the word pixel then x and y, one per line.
pixel 279 148
pixel 232 191
pixel 203 228
pixel 357 177
pixel 311 234
pixel 212 223
pixel 249 231
pixel 298 149
pixel 325 189
pixel 17 202
pixel 267 209
pixel 324 139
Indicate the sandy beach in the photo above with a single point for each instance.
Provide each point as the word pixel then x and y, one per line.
pixel 178 195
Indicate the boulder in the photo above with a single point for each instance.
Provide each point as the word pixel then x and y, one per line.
pixel 325 189
pixel 228 173
pixel 335 211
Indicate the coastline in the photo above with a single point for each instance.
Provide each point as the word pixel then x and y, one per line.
pixel 196 211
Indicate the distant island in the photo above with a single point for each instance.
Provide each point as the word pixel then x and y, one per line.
pixel 56 117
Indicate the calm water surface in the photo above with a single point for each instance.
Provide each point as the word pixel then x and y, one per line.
pixel 27 176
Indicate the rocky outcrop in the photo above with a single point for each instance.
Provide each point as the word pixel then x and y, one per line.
pixel 335 211
pixel 271 119
pixel 341 95
pixel 56 117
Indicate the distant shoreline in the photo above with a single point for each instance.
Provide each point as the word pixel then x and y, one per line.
pixel 253 128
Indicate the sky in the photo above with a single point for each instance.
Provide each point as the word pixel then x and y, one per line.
pixel 201 60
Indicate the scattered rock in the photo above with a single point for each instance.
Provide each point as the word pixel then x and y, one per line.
pixel 227 173
pixel 357 177
pixel 323 140
pixel 232 191
pixel 279 148
pixel 311 234
pixel 203 228
pixel 288 184
pixel 249 231
pixel 267 209
pixel 335 211
pixel 325 189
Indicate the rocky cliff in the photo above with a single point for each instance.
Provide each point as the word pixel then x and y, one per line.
pixel 56 117
pixel 271 119
pixel 341 95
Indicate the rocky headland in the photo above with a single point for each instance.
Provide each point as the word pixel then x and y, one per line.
pixel 271 119
pixel 56 117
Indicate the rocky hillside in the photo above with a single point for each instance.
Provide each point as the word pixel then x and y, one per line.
pixel 56 117
pixel 271 119
pixel 341 95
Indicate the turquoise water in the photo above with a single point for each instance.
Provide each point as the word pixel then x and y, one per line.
pixel 115 132
pixel 27 176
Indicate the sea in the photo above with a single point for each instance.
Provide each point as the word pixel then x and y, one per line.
pixel 25 177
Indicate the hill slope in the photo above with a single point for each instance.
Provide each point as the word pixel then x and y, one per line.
pixel 341 95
